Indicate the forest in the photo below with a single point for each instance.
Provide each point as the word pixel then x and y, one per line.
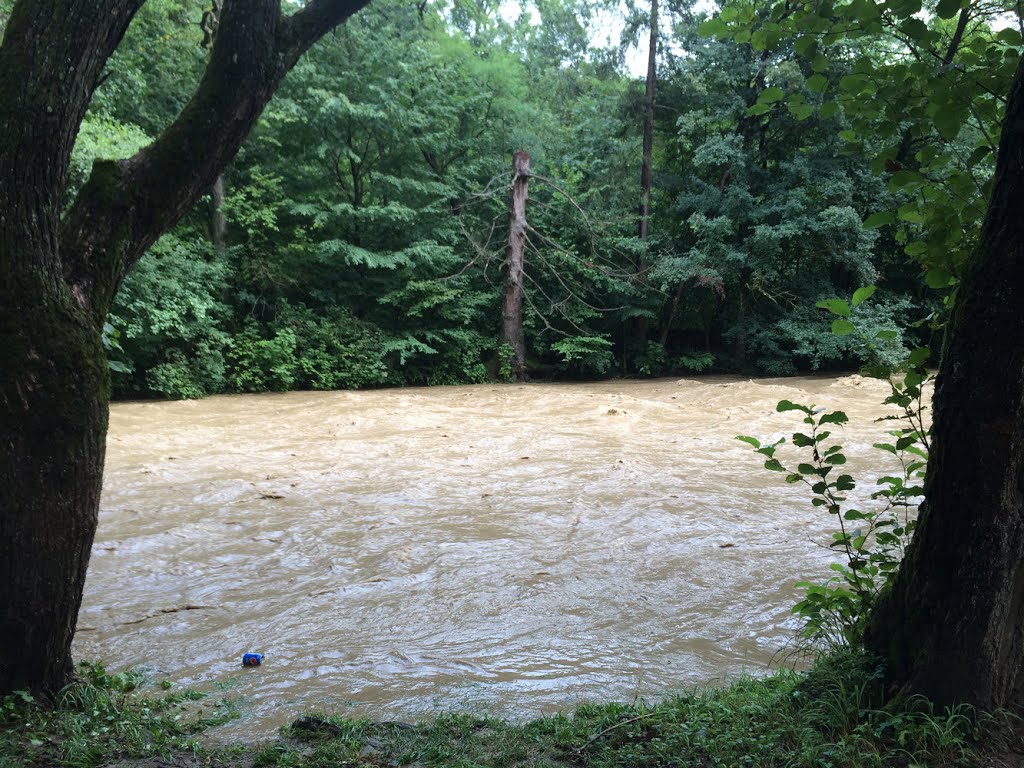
pixel 358 238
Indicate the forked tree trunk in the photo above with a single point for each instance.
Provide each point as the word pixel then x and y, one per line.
pixel 952 626
pixel 513 340
pixel 58 277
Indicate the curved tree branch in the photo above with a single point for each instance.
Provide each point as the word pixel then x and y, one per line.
pixel 127 204
pixel 52 60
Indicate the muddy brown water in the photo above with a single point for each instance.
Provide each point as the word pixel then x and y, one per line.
pixel 513 549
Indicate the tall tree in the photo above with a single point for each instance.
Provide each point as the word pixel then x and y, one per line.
pixel 58 275
pixel 952 626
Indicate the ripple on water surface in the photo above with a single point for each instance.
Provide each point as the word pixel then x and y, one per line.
pixel 519 548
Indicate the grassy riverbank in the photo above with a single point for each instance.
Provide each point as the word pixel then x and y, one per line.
pixel 831 716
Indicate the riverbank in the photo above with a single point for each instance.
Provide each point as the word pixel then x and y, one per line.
pixel 833 715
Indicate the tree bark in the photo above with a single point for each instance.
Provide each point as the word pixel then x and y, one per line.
pixel 512 337
pixel 638 326
pixel 218 224
pixel 952 625
pixel 57 278
pixel 648 129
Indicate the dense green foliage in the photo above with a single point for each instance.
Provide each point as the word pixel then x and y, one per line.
pixel 367 213
pixel 834 715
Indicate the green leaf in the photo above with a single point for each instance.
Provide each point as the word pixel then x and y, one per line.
pixel 937 278
pixel 911 213
pixel 918 356
pixel 714 28
pixel 835 306
pixel 749 440
pixel 948 122
pixel 1009 35
pixel 854 84
pixel 887 335
pixel 774 465
pixel 807 469
pixel 915 29
pixel 905 180
pixel 771 95
pixel 817 83
pixel 759 109
pixel 978 155
pixel 786 405
pixel 863 294
pixel 841 327
pixel 806 45
pixel 845 483
pixel 836 417
pixel 801 111
pixel 880 219
pixel 947 9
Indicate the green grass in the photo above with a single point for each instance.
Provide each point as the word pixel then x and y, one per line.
pixel 835 715
pixel 104 717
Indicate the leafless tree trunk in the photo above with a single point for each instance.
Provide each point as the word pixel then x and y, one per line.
pixel 513 342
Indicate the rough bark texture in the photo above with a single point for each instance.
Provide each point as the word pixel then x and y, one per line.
pixel 512 303
pixel 952 627
pixel 57 278
pixel 218 223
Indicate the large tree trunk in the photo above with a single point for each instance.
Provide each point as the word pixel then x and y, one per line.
pixel 512 337
pixel 54 380
pixel 952 626
pixel 57 278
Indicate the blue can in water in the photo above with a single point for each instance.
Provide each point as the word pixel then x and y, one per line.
pixel 252 659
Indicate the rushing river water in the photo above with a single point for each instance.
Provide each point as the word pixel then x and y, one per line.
pixel 514 549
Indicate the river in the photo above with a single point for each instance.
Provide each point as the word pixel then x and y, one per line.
pixel 510 549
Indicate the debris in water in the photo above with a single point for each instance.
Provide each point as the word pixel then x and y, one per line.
pixel 252 659
pixel 162 611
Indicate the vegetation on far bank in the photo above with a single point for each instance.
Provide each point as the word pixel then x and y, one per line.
pixel 836 714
